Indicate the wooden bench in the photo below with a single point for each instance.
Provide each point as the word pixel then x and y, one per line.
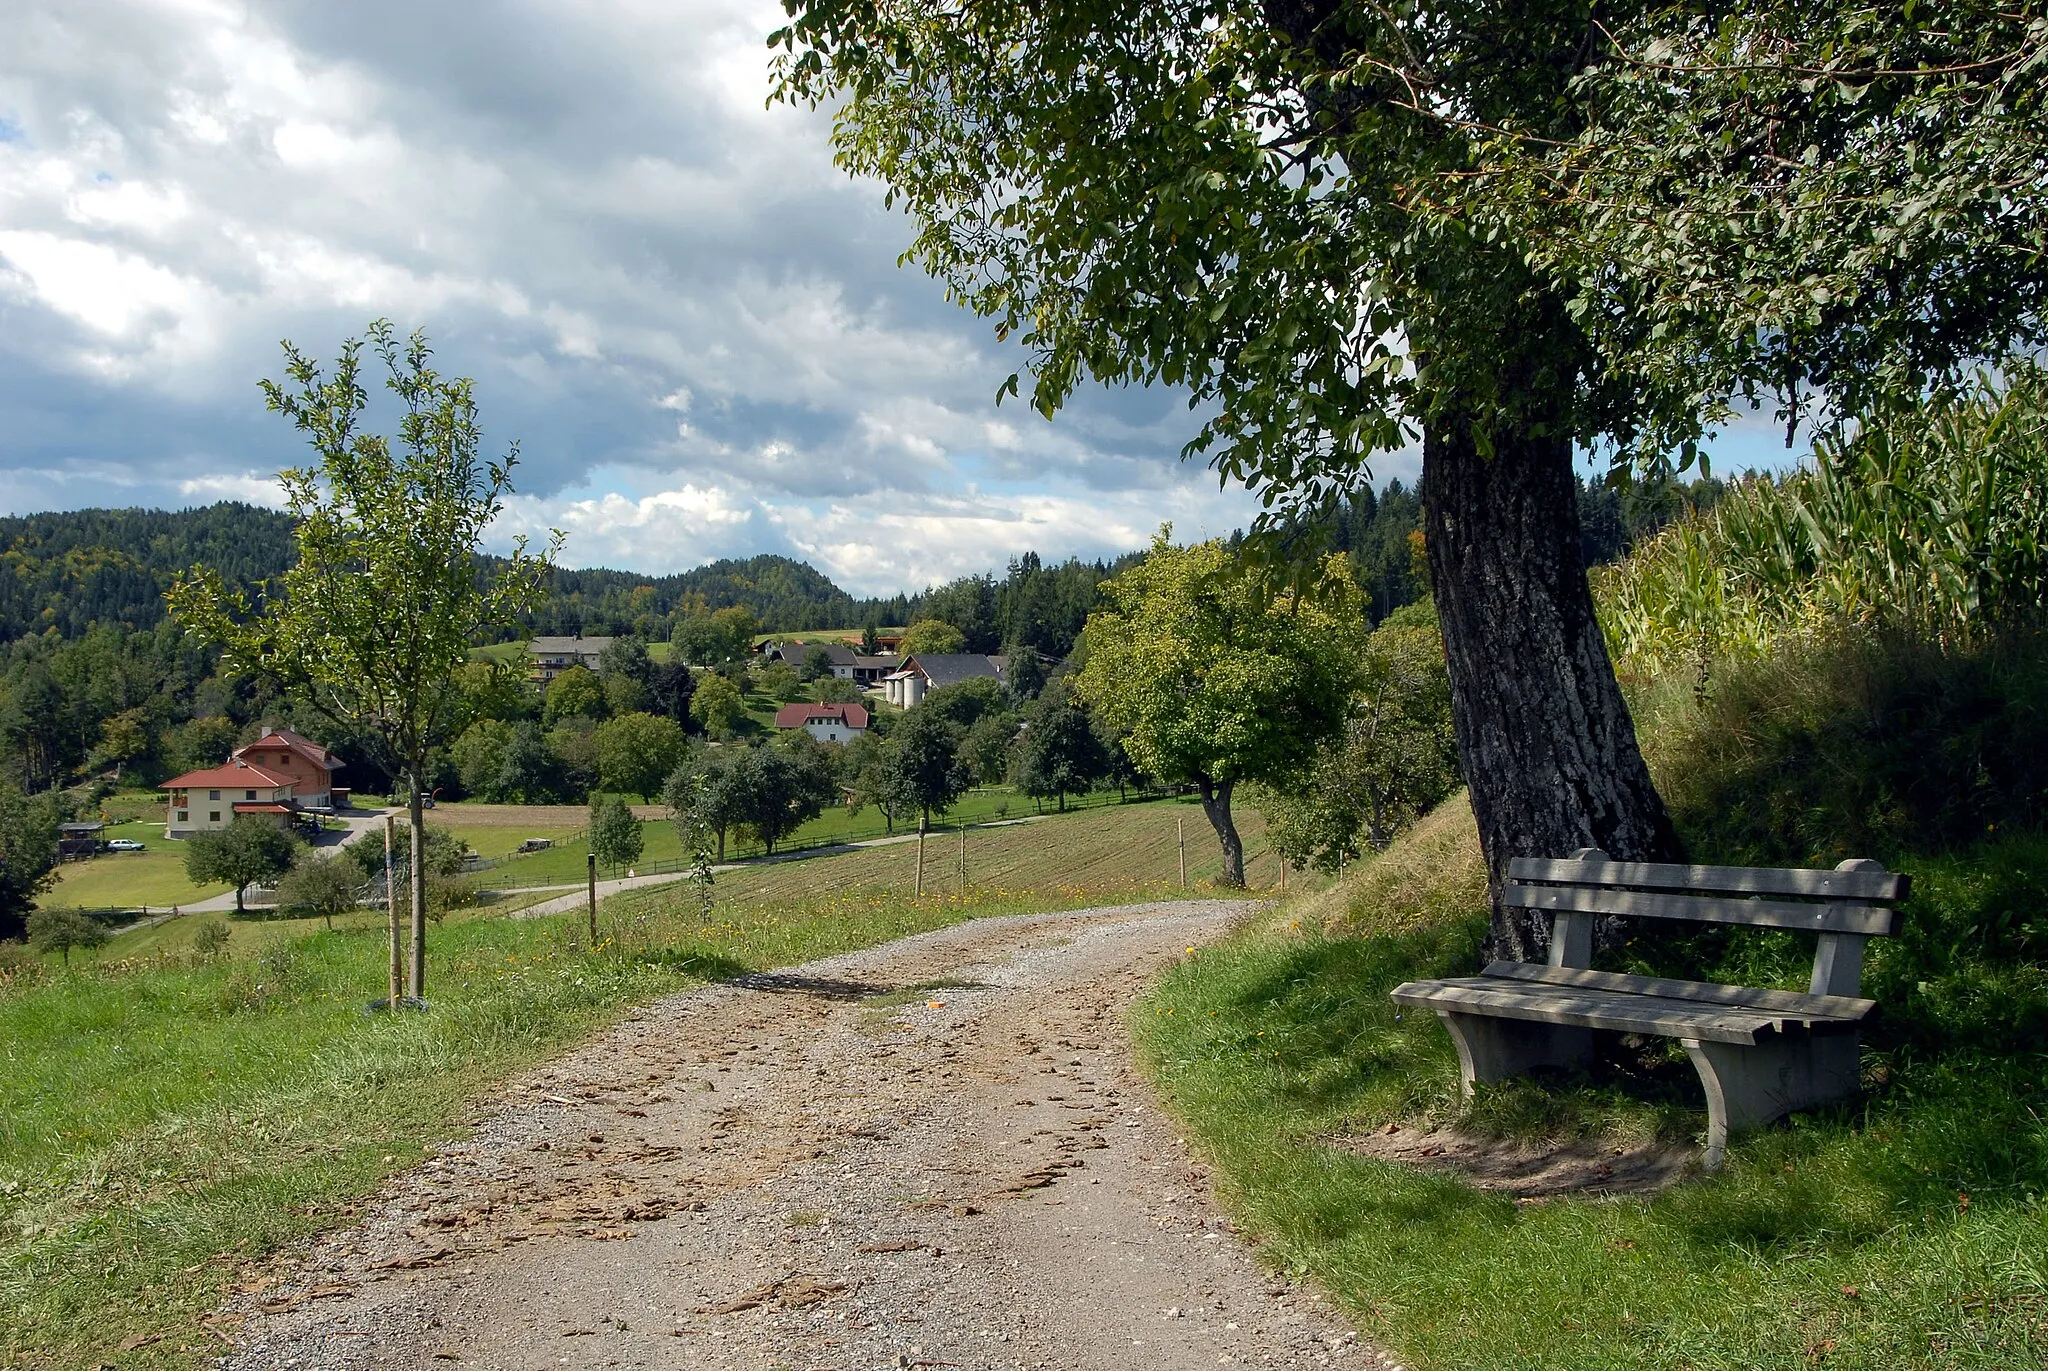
pixel 1760 1054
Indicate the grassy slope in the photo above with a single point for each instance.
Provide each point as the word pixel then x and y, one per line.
pixel 1908 1231
pixel 167 1121
pixel 155 877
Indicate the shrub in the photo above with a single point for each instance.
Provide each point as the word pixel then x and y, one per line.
pixel 60 930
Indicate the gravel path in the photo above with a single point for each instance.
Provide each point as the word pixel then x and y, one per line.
pixel 929 1154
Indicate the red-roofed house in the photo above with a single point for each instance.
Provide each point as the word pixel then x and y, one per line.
pixel 209 799
pixel 826 723
pixel 296 758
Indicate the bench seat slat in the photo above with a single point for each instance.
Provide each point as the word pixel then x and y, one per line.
pixel 1813 1008
pixel 1869 920
pixel 1497 997
pixel 1742 880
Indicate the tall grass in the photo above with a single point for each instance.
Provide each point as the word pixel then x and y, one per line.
pixel 1932 521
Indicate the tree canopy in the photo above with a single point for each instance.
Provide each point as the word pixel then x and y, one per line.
pixel 1211 682
pixel 241 854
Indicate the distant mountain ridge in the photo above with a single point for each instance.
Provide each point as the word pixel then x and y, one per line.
pixel 71 569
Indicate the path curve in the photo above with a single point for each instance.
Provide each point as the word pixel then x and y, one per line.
pixel 934 1153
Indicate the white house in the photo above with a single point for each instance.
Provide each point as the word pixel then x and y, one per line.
pixel 202 800
pixel 827 723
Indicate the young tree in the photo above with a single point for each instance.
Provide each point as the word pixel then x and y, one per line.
pixel 615 836
pixel 245 852
pixel 637 752
pixel 717 705
pixel 1213 682
pixel 933 636
pixel 59 930
pixel 871 639
pixel 322 884
pixel 921 766
pixel 387 594
pixel 28 854
pixel 1058 753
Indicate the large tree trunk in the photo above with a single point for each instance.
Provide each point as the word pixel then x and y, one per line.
pixel 1216 804
pixel 1544 737
pixel 416 812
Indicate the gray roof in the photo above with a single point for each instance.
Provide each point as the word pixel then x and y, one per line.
pixel 567 647
pixel 950 668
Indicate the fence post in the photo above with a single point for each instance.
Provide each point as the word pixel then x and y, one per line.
pixel 591 858
pixel 1283 873
pixel 391 905
pixel 1180 840
pixel 919 892
pixel 963 859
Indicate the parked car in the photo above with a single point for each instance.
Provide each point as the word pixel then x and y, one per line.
pixel 125 845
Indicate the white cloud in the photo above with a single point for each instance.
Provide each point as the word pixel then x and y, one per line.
pixel 694 324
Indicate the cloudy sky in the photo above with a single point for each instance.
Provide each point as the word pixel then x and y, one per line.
pixel 693 324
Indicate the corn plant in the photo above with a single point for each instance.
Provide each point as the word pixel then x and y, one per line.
pixel 1933 520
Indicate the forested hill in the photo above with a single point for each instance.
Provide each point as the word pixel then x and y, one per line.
pixel 73 569
pixel 111 566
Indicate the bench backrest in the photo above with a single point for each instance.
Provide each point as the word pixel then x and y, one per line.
pixel 1845 906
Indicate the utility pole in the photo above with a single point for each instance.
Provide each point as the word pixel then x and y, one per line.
pixel 592 859
pixel 391 902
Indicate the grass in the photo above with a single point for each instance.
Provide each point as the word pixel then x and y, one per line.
pixel 153 878
pixel 169 1121
pixel 1906 1231
pixel 565 862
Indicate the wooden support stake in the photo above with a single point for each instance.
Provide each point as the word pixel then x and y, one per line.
pixel 1180 839
pixel 963 859
pixel 1283 873
pixel 391 900
pixel 919 894
pixel 591 859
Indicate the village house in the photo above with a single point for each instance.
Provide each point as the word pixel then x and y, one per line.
pixel 210 799
pixel 280 776
pixel 298 759
pixel 847 664
pixel 834 723
pixel 554 655
pixel 922 673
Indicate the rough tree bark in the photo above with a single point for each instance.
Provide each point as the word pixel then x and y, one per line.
pixel 1544 736
pixel 1216 804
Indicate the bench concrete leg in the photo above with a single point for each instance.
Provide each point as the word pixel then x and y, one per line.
pixel 1750 1086
pixel 1490 1049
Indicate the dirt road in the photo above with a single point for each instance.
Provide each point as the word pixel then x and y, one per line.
pixel 929 1154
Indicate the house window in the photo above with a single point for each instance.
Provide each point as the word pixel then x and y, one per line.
pixel 213 816
pixel 213 794
pixel 248 794
pixel 184 816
